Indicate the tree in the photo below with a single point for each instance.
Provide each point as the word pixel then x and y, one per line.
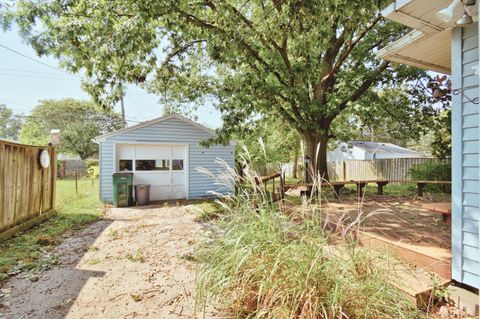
pixel 392 119
pixel 79 122
pixel 267 142
pixel 306 62
pixel 9 124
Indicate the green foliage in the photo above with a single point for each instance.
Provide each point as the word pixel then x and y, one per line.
pixel 395 118
pixel 79 122
pixel 93 172
pixel 267 141
pixel 209 211
pixel 433 171
pixel 31 250
pixel 9 124
pixel 442 135
pixel 305 63
pixel 93 168
pixel 264 264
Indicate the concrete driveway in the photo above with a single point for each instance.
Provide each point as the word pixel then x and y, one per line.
pixel 133 264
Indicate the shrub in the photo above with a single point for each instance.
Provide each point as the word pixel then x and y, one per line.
pixel 93 169
pixel 433 171
pixel 91 162
pixel 262 263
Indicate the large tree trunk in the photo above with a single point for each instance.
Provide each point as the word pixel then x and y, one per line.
pixel 317 154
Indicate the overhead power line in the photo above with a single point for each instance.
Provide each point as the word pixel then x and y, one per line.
pixel 37 76
pixel 32 59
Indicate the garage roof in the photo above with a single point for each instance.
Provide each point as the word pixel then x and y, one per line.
pixel 102 138
pixel 429 45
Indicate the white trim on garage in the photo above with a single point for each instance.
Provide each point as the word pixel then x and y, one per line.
pixel 186 165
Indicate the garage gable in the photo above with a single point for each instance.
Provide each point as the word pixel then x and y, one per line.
pixel 172 122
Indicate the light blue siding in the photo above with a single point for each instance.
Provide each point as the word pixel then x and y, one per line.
pixel 173 131
pixel 465 158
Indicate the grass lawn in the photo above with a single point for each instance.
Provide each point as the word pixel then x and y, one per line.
pixel 31 250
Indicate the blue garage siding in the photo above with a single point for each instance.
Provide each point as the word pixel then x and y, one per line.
pixel 106 170
pixel 465 158
pixel 172 131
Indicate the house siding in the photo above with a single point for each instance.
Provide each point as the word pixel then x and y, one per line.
pixel 465 158
pixel 173 131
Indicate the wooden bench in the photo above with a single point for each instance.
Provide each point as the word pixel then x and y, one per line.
pixel 442 208
pixel 420 184
pixel 360 184
pixel 337 186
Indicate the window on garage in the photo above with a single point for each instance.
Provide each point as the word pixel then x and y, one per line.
pixel 152 165
pixel 125 165
pixel 177 165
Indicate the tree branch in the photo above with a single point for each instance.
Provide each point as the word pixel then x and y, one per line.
pixel 180 50
pixel 363 87
pixel 251 51
pixel 350 47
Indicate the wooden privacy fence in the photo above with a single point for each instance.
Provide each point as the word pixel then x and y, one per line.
pixel 379 169
pixel 27 191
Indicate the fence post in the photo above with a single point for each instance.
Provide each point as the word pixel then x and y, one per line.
pixel 54 177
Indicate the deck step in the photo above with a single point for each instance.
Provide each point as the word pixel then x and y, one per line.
pixel 416 284
pixel 430 259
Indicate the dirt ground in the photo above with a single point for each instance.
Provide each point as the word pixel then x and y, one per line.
pixel 132 264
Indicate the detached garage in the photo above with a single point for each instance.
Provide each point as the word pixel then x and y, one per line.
pixel 166 154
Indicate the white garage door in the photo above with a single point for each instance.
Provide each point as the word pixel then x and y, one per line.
pixel 161 166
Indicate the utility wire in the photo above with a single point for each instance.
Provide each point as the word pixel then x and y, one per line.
pixel 11 102
pixel 32 59
pixel 37 76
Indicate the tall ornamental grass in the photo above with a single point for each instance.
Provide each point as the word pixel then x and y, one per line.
pixel 260 263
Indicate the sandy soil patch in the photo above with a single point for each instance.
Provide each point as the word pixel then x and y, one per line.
pixel 133 264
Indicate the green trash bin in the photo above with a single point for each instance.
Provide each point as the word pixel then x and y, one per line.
pixel 122 189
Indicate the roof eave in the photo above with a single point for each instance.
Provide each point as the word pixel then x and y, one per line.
pixel 103 138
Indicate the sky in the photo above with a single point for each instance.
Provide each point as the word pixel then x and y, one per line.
pixel 23 82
